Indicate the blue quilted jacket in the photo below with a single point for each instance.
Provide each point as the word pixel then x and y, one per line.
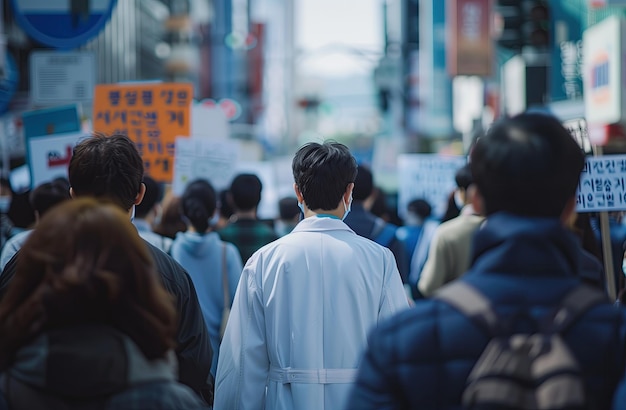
pixel 421 357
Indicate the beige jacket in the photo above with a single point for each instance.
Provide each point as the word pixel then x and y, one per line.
pixel 449 253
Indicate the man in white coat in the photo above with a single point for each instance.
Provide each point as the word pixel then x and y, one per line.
pixel 306 302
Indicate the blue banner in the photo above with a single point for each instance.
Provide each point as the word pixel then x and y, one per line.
pixel 567 23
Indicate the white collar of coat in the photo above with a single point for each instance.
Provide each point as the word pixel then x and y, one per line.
pixel 314 223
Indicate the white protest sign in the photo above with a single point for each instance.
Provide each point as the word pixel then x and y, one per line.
pixel 58 78
pixel 209 122
pixel 427 176
pixel 603 71
pixel 601 186
pixel 208 158
pixel 49 156
pixel 284 176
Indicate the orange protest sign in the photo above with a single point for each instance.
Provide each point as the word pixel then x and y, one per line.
pixel 151 114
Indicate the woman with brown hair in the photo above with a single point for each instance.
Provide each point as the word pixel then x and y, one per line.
pixel 171 221
pixel 85 322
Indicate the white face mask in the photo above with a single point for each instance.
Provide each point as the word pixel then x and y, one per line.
pixel 132 214
pixel 301 206
pixel 458 200
pixel 347 208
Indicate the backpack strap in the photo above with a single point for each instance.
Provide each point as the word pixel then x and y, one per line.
pixel 575 303
pixel 473 304
pixel 470 302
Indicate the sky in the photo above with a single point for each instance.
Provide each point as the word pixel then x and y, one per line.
pixel 322 24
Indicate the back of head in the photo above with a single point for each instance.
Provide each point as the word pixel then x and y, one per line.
pixel 527 165
pixel 49 194
pixel 85 264
pixel 198 204
pixel 226 209
pixel 463 177
pixel 363 184
pixel 288 208
pixel 420 208
pixel 322 173
pixel 107 167
pixel 171 221
pixel 245 191
pixel 153 195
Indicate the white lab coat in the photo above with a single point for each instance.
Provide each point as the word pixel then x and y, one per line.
pixel 300 318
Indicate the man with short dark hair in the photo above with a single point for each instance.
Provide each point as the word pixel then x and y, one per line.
pixel 305 302
pixel 110 167
pixel 449 252
pixel 44 197
pixel 245 230
pixel 146 212
pixel 288 216
pixel 525 260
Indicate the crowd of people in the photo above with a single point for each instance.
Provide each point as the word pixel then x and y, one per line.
pixel 121 295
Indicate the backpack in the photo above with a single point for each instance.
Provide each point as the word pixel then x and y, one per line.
pixel 523 371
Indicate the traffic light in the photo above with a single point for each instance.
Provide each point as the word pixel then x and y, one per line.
pixel 536 24
pixel 508 21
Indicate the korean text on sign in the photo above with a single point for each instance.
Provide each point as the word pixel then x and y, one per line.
pixel 601 186
pixel 152 115
pixel 427 176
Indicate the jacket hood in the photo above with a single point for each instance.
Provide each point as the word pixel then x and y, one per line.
pixel 531 246
pixel 197 244
pixel 87 361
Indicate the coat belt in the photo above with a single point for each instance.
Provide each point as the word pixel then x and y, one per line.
pixel 289 375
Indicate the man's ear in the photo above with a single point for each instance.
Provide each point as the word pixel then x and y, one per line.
pixel 348 194
pixel 569 210
pixel 298 193
pixel 140 194
pixel 477 200
pixel 72 195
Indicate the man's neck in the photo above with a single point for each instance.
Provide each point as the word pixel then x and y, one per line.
pixel 337 212
pixel 245 214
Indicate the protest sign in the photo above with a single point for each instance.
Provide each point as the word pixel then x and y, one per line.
pixel 151 114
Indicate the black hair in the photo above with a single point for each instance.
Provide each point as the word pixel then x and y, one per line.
pixel 288 208
pixel 198 204
pixel 107 167
pixel 245 191
pixel 225 207
pixel 363 184
pixel 463 177
pixel 153 195
pixel 322 173
pixel 420 207
pixel 49 194
pixel 528 165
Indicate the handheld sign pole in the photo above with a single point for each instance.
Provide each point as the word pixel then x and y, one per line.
pixel 607 253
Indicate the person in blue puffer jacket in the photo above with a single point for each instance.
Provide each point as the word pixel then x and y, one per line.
pixel 524 260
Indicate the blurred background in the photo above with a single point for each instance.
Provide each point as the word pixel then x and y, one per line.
pixel 385 77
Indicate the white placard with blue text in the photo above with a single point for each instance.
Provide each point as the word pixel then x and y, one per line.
pixel 601 186
pixel 427 176
pixel 208 158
